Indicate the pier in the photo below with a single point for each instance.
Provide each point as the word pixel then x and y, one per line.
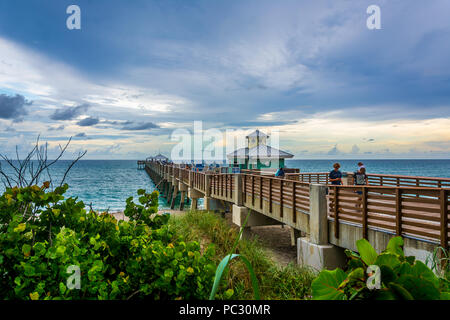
pixel 324 219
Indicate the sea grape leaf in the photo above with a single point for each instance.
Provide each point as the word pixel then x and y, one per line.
pixel 367 252
pixel 420 289
pixel 325 286
pixel 420 270
pixel 387 274
pixel 353 277
pixel 395 246
pixel 387 259
pixel 400 291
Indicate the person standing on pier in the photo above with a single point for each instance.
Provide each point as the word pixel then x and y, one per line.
pixel 335 175
pixel 360 166
pixel 280 173
pixel 361 177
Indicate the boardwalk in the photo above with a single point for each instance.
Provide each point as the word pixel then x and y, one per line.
pixel 414 207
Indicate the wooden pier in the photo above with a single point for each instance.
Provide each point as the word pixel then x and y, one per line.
pixel 416 208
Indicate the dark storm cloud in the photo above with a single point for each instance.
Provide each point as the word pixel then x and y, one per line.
pixel 115 122
pixel 252 124
pixel 88 122
pixel 10 129
pixel 13 107
pixel 68 113
pixel 58 128
pixel 140 126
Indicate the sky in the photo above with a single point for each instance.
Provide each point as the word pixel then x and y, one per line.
pixel 310 70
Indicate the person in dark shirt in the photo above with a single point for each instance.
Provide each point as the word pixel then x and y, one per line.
pixel 335 175
pixel 360 177
pixel 280 173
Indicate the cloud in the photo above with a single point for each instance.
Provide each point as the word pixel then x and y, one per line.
pixel 69 113
pixel 140 126
pixel 270 60
pixel 10 129
pixel 115 122
pixel 88 122
pixel 334 151
pixel 13 107
pixel 81 135
pixel 355 149
pixel 57 128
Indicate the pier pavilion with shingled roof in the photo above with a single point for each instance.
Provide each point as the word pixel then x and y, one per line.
pixel 257 154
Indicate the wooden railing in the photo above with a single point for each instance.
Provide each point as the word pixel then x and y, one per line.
pixel 199 181
pixel 407 181
pixel 222 186
pixel 389 203
pixel 309 177
pixel 285 193
pixel 184 175
pixel 376 179
pixel 406 211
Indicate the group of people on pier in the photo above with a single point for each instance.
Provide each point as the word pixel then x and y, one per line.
pixel 360 177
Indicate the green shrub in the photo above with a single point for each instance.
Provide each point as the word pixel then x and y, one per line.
pixel 275 281
pixel 42 234
pixel 400 277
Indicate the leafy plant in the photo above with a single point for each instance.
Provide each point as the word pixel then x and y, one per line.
pixel 221 268
pixel 401 277
pixel 42 235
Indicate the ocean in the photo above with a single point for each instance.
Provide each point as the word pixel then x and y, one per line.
pixel 408 167
pixel 108 183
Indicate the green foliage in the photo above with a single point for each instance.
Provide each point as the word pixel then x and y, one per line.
pixel 42 234
pixel 401 278
pixel 220 270
pixel 275 281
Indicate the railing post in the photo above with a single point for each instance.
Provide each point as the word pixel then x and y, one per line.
pixel 238 187
pixel 444 218
pixel 281 198
pixel 191 179
pixel 253 190
pixel 226 186
pixel 398 211
pixel 230 194
pixel 318 214
pixel 207 185
pixel 260 192
pixel 364 212
pixel 270 195
pixel 336 212
pixel 294 204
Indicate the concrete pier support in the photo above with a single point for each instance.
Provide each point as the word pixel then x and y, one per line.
pixel 315 250
pixel 194 195
pixel 183 190
pixel 170 192
pixel 295 234
pixel 182 200
pixel 174 196
pixel 255 219
pixel 194 203
pixel 166 191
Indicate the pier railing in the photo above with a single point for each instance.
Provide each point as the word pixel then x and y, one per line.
pixel 376 179
pixel 407 211
pixel 286 194
pixel 416 207
pixel 222 186
pixel 198 181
